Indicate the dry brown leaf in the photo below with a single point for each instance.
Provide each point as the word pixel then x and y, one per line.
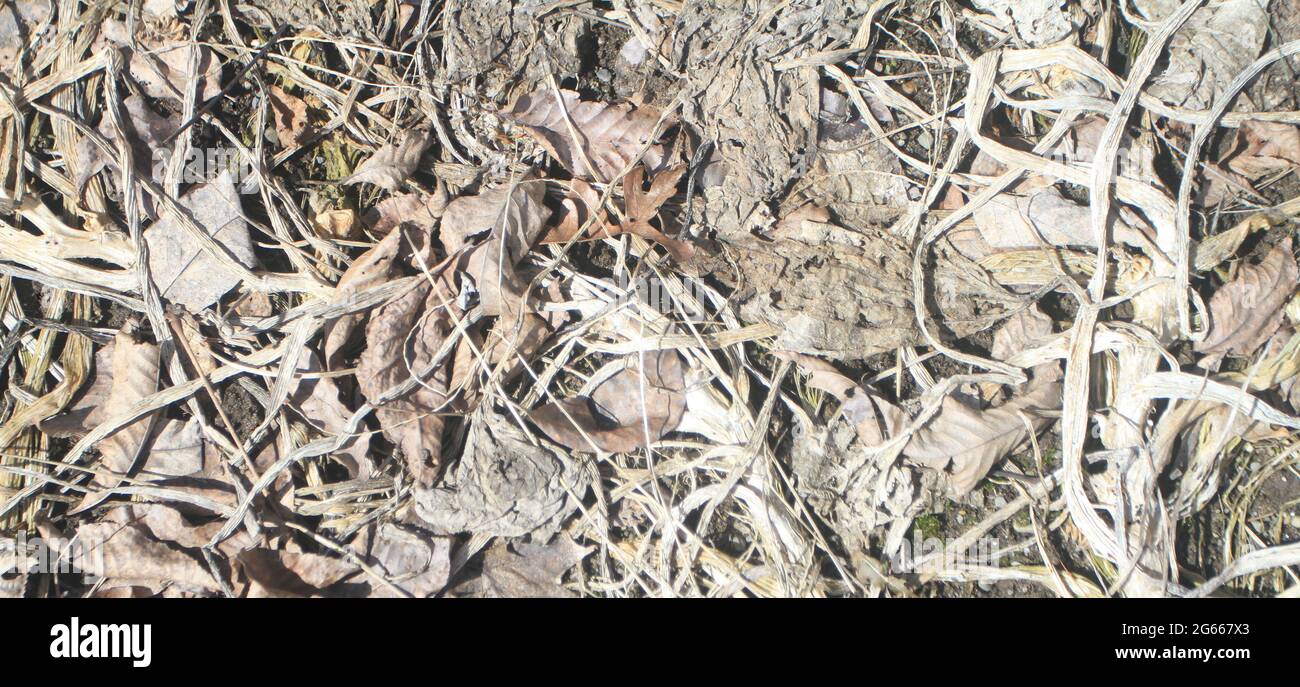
pixel 336 224
pixel 511 219
pixel 90 407
pixel 370 269
pixel 531 570
pixel 318 398
pixel 640 205
pixel 964 442
pixel 1265 147
pixel 625 411
pixel 290 574
pixel 134 373
pixel 504 485
pixel 183 271
pixel 419 210
pixel 513 212
pixel 163 68
pixel 874 418
pixel 130 557
pixel 581 200
pixel 394 162
pixel 19 22
pixel 418 563
pixel 1023 330
pixel 1247 310
pixel 289 113
pixel 611 136
pixel 401 339
pixel 147 132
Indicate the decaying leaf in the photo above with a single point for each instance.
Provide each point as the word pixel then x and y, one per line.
pixel 640 205
pixel 509 220
pixel 1213 46
pixel 581 201
pixel 531 570
pixel 134 375
pixel 1265 147
pixel 417 209
pixel 1037 22
pixel 414 561
pixel 401 339
pixel 318 398
pixel 90 406
pixel 19 22
pixel 164 69
pixel 874 418
pixel 394 162
pixel 180 266
pixel 625 411
pixel 1246 311
pixel 146 131
pixel 336 224
pixel 128 556
pixel 609 136
pixel 514 213
pixel 504 485
pixel 1024 330
pixel 965 442
pixel 370 269
pixel 289 112
pixel 292 574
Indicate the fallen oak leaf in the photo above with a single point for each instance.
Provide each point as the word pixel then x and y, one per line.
pixel 640 205
pixel 1245 312
pixel 627 408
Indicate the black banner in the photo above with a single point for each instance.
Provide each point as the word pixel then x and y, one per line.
pixel 319 637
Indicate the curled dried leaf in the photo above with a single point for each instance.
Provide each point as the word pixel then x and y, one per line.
pixel 609 136
pixel 874 418
pixel 1247 310
pixel 402 338
pixel 964 442
pixel 640 399
pixel 531 570
pixel 394 162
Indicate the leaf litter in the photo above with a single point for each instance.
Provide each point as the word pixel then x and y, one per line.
pixel 506 304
